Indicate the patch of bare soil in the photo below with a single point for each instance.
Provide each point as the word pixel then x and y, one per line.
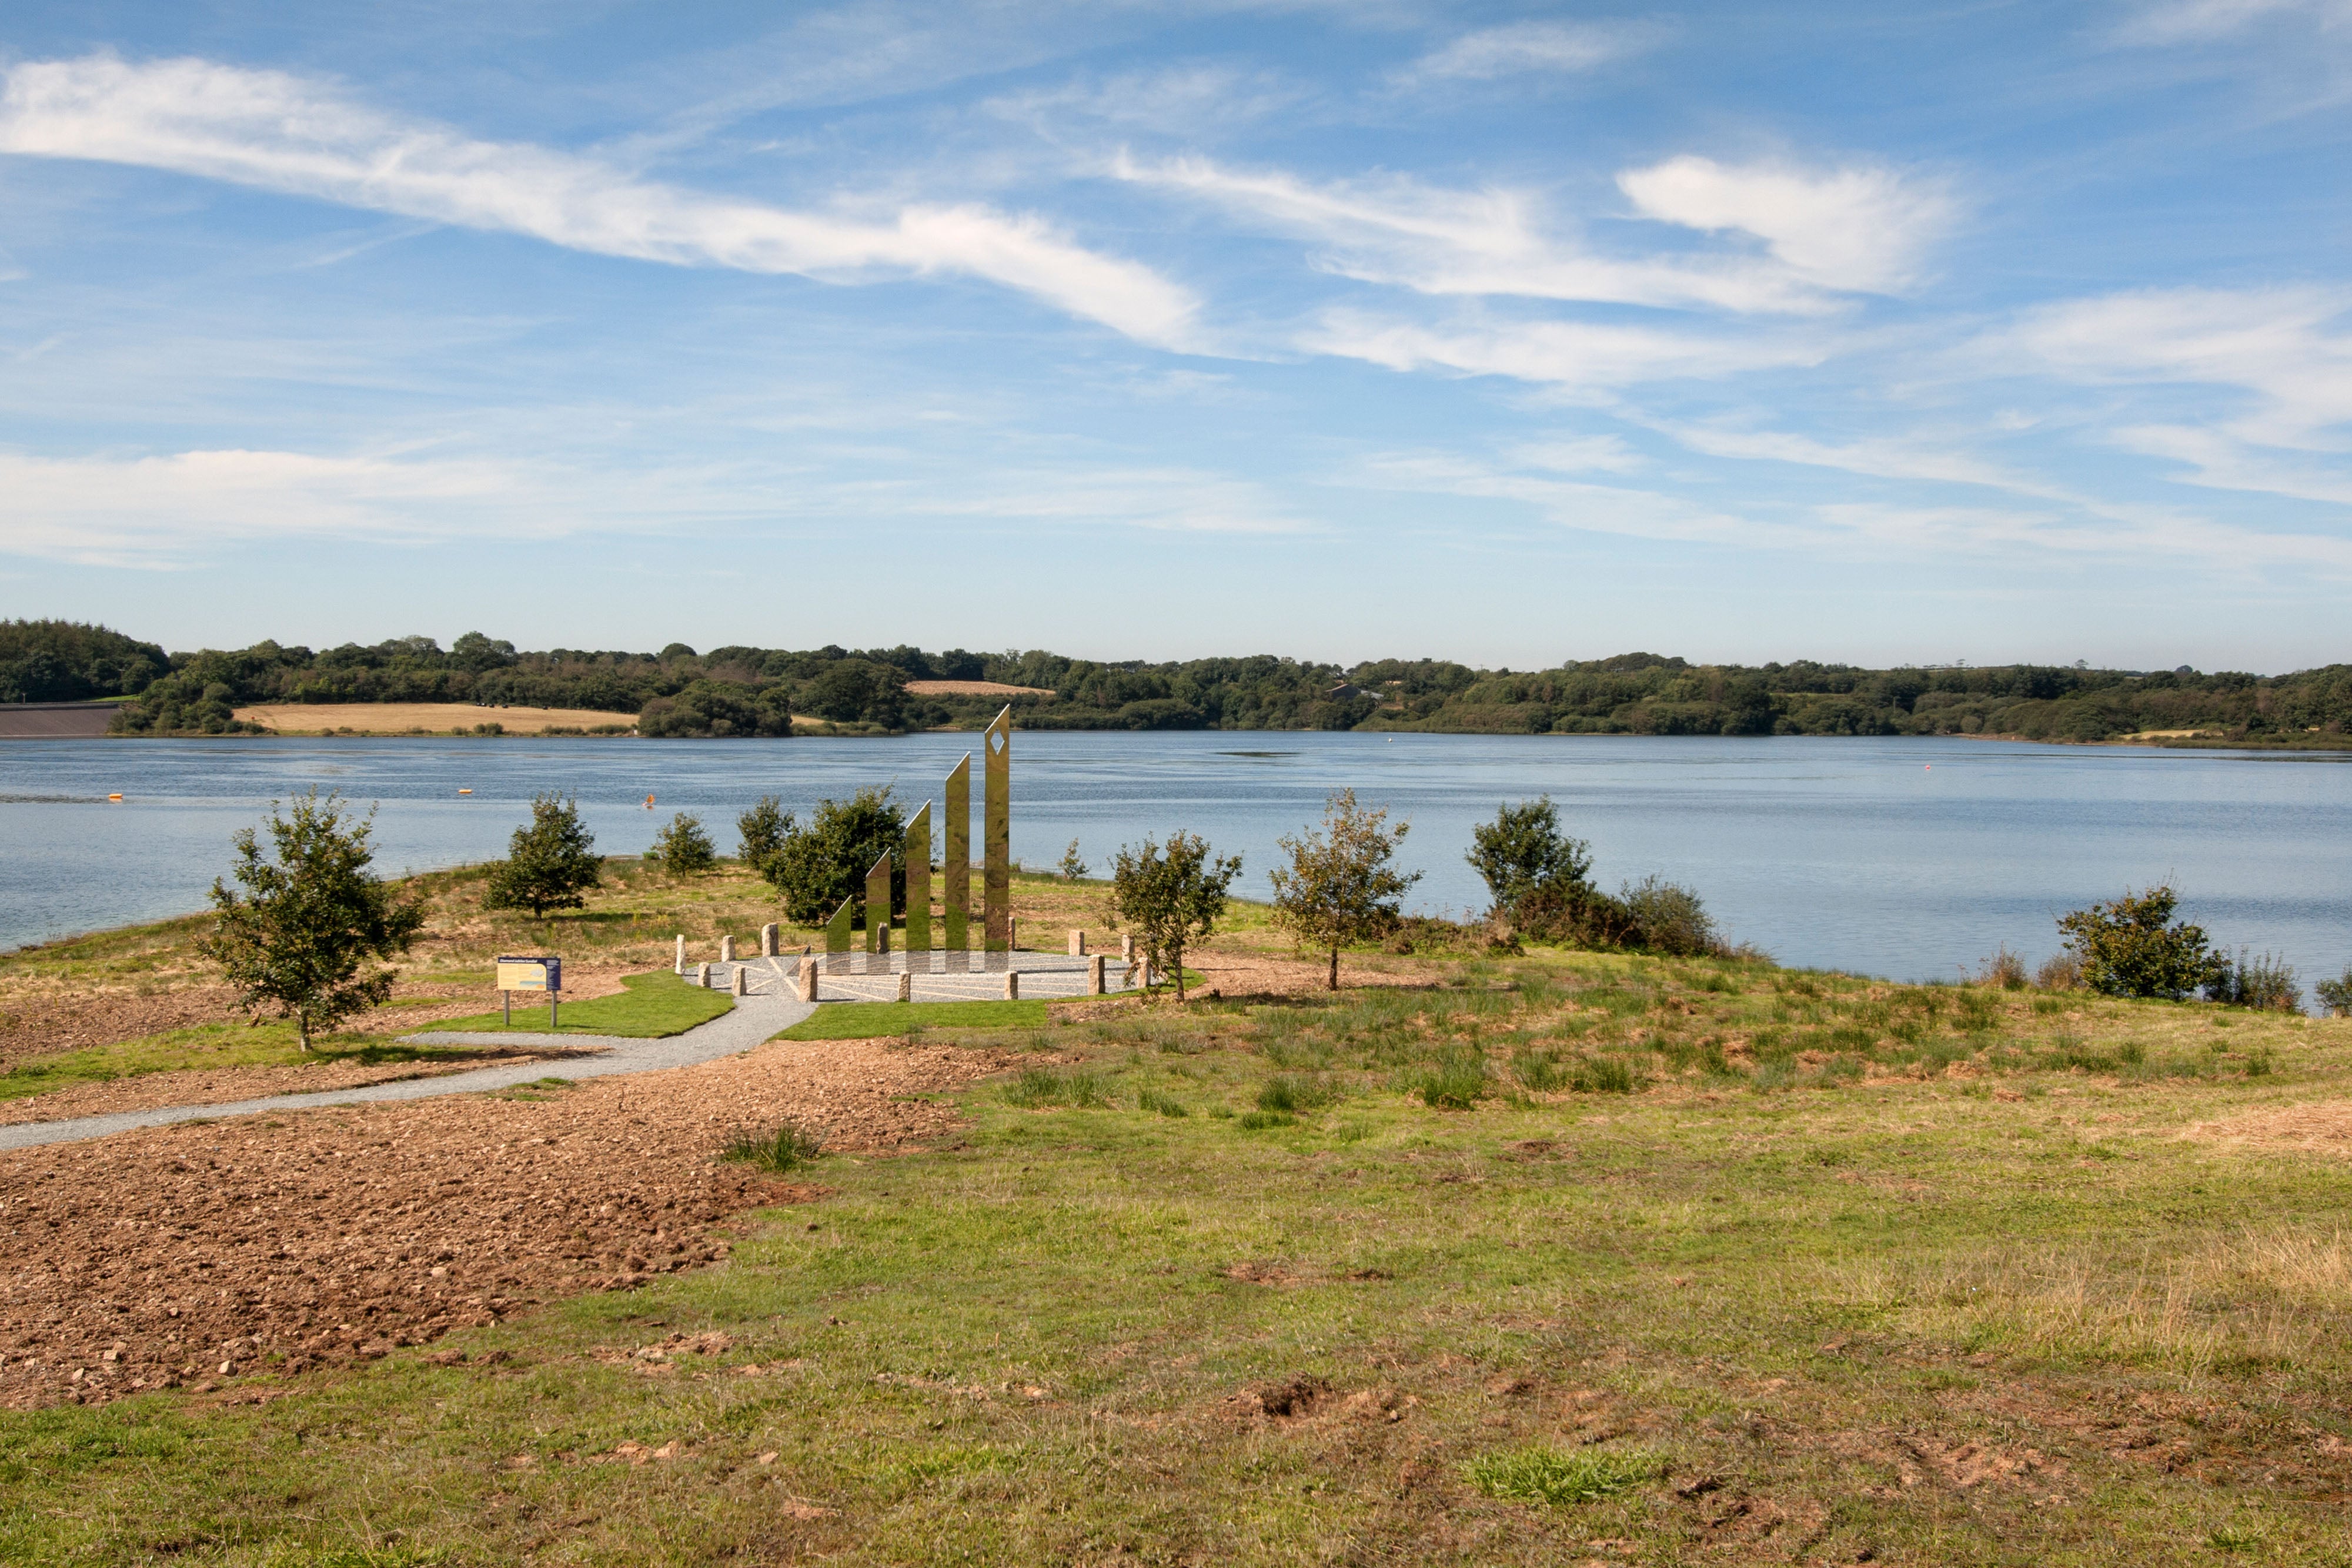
pixel 1257 974
pixel 2323 1127
pixel 225 1085
pixel 207 1251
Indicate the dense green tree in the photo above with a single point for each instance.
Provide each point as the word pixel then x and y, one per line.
pixel 815 867
pixel 1171 898
pixel 761 831
pixel 550 862
pixel 1523 852
pixel 683 849
pixel 1340 888
pixel 297 937
pixel 2130 946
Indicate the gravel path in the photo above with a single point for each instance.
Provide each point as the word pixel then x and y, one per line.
pixel 755 1019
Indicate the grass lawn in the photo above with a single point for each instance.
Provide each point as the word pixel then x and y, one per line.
pixel 873 1020
pixel 1574 1259
pixel 272 1044
pixel 650 1007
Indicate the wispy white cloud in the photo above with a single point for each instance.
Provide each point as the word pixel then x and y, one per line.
pixel 1843 231
pixel 1581 356
pixel 159 510
pixel 1522 48
pixel 2218 461
pixel 279 132
pixel 2289 350
pixel 2197 21
pixel 1858 229
pixel 169 509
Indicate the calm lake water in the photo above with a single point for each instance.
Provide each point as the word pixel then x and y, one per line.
pixel 1907 858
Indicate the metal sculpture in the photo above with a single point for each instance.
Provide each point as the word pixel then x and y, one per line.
pixel 997 873
pixel 956 896
pixel 837 938
pixel 919 892
pixel 877 917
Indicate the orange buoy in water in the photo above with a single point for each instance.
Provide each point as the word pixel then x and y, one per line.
pixel 649 802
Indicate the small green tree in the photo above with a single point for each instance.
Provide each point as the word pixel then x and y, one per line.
pixel 1340 888
pixel 1171 897
pixel 762 830
pixel 817 866
pixel 683 849
pixel 297 937
pixel 1523 852
pixel 1074 865
pixel 549 863
pixel 2129 947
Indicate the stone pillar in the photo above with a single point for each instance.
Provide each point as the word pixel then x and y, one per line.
pixel 741 981
pixel 681 955
pixel 808 979
pixel 1011 985
pixel 1095 986
pixel 1077 943
pixel 768 941
pixel 955 897
pixel 727 949
pixel 1127 947
pixel 702 976
pixel 906 987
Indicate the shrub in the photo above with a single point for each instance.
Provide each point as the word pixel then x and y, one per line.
pixel 2059 972
pixel 787 1149
pixel 1558 1475
pixel 683 848
pixel 2131 948
pixel 2004 969
pixel 815 867
pixel 549 863
pixel 1670 918
pixel 2266 983
pixel 2335 995
pixel 1074 866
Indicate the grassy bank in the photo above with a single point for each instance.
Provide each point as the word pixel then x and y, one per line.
pixel 649 1007
pixel 1742 1264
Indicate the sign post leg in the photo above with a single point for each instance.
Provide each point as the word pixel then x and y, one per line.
pixel 506 1004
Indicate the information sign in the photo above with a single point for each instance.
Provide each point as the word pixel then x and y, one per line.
pixel 531 974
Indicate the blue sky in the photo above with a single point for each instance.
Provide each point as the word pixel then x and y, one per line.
pixel 1507 334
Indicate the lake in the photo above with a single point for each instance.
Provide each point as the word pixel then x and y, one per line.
pixel 1908 858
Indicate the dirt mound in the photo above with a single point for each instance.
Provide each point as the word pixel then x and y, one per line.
pixel 208 1250
pixel 2323 1127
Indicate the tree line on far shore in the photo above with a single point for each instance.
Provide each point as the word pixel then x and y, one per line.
pixel 748 691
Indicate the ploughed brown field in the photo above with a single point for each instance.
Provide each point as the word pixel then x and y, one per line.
pixel 394 718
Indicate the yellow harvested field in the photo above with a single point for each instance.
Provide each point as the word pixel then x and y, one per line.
pixel 974 689
pixel 398 719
